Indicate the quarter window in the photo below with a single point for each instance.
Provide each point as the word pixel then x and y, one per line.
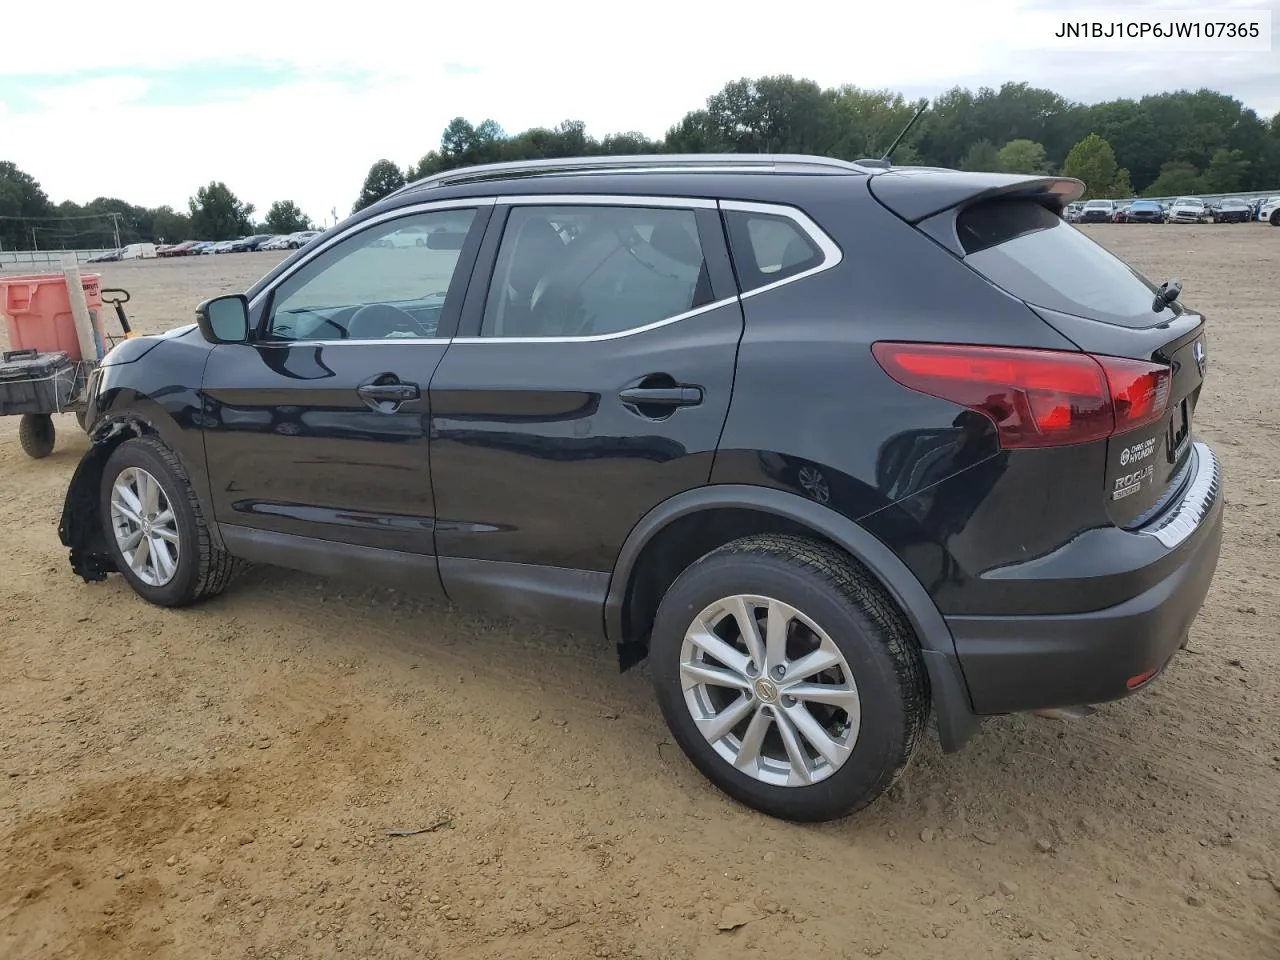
pixel 387 282
pixel 580 271
pixel 768 248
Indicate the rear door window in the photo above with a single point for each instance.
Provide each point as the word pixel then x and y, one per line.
pixel 1029 251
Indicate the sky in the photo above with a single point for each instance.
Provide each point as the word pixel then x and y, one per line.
pixel 146 100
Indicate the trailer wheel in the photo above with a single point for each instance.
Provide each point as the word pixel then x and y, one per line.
pixel 36 435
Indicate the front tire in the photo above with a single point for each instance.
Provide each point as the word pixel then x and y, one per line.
pixel 155 528
pixel 788 677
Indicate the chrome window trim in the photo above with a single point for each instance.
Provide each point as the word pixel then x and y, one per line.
pixel 385 341
pixel 405 211
pixel 605 200
pixel 832 257
pixel 705 308
pixel 831 252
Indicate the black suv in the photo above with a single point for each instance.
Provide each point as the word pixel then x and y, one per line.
pixel 837 446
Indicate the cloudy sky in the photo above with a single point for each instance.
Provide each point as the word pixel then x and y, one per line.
pixel 147 100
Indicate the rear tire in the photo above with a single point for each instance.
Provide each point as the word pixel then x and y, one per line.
pixel 855 723
pixel 1275 218
pixel 179 564
pixel 36 435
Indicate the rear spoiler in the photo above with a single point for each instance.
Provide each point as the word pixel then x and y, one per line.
pixel 917 193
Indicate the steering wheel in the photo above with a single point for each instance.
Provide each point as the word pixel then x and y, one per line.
pixel 383 319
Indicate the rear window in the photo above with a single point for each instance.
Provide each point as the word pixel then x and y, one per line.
pixel 769 248
pixel 1030 252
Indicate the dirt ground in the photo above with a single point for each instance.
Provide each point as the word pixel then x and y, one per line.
pixel 222 781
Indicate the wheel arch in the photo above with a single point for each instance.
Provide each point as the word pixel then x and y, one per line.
pixel 80 527
pixel 763 509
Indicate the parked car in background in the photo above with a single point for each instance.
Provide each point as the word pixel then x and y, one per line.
pixel 302 238
pixel 1189 210
pixel 138 251
pixel 576 403
pixel 109 256
pixel 1119 214
pixel 278 242
pixel 1144 211
pixel 1072 213
pixel 176 249
pixel 1232 210
pixel 1097 211
pixel 1269 211
pixel 222 246
pixel 248 244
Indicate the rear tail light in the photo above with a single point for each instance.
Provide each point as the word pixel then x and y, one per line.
pixel 1035 398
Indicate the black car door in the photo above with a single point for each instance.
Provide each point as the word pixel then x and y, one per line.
pixel 589 381
pixel 316 431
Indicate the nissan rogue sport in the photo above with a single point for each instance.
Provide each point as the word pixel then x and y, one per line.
pixel 836 446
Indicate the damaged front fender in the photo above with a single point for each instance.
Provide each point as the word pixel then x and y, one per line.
pixel 81 528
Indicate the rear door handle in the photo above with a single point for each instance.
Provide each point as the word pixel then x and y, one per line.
pixel 683 396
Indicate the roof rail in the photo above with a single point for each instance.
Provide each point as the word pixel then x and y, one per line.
pixel 650 163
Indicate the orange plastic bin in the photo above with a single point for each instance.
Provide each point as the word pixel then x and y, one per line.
pixel 37 313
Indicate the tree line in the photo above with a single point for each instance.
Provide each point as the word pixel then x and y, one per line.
pixel 1181 142
pixel 30 221
pixel 1167 143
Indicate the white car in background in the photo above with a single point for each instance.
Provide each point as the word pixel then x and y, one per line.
pixel 301 238
pixel 1269 212
pixel 1189 210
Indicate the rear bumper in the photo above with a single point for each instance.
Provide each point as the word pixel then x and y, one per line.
pixel 1035 662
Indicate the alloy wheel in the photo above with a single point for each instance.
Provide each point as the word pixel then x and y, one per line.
pixel 770 691
pixel 145 527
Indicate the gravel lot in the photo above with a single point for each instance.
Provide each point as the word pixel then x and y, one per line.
pixel 221 781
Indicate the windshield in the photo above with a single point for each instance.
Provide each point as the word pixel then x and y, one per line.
pixel 1030 252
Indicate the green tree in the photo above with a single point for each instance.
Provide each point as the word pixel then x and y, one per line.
pixel 384 178
pixel 1227 173
pixel 169 226
pixel 20 197
pixel 631 143
pixel 1021 156
pixel 1122 187
pixel 982 157
pixel 1093 161
pixel 865 122
pixel 1177 178
pixel 217 214
pixel 778 114
pixel 285 217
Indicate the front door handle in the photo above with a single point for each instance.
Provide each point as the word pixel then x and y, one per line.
pixel 386 392
pixel 680 396
pixel 393 392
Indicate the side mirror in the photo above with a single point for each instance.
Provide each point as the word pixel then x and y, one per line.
pixel 224 319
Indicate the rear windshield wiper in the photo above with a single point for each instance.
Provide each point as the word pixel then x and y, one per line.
pixel 1169 291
